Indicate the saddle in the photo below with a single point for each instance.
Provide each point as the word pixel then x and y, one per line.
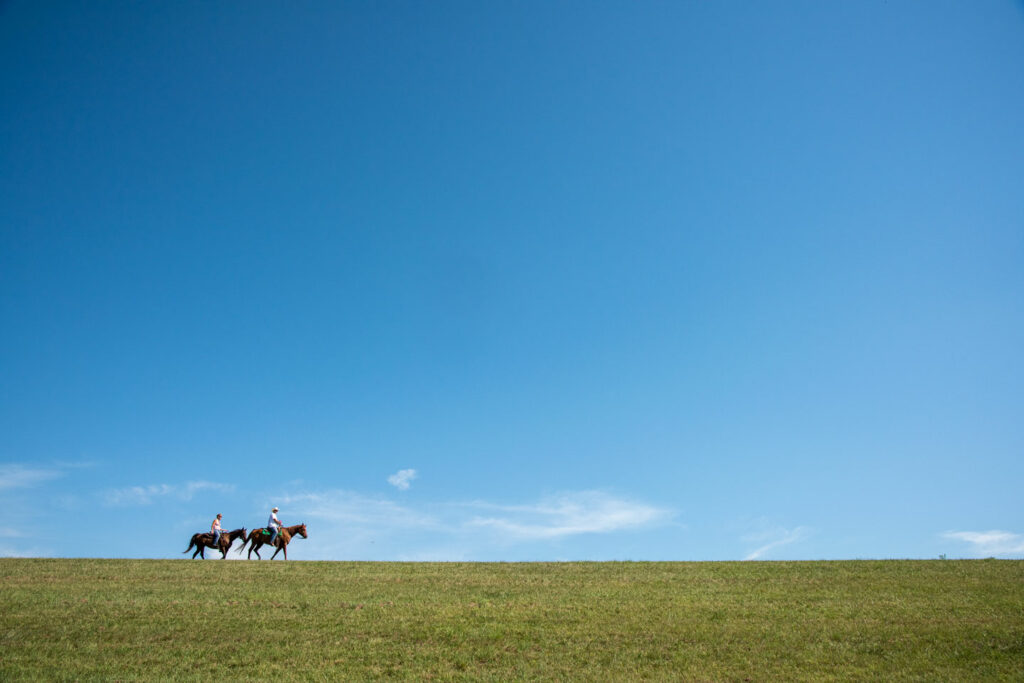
pixel 207 538
pixel 282 534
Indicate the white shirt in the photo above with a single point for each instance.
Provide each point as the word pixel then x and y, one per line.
pixel 272 522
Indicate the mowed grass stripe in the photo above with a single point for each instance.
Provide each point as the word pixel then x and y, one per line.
pixel 151 619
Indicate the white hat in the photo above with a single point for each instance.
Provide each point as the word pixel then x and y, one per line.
pixel 274 510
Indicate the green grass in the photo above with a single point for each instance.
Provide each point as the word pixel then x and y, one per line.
pixel 149 619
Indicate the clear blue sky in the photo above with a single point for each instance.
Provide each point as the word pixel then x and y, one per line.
pixel 614 280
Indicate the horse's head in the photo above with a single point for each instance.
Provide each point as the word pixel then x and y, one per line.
pixel 301 531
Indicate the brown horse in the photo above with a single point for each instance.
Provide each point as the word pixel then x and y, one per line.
pixel 260 537
pixel 203 541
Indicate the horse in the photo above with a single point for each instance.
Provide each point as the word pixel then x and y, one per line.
pixel 203 541
pixel 281 543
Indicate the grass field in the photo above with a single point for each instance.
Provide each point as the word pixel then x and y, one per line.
pixel 150 619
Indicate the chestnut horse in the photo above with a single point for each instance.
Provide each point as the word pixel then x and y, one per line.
pixel 260 537
pixel 203 541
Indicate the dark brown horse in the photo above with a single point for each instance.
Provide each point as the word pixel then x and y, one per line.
pixel 203 541
pixel 260 537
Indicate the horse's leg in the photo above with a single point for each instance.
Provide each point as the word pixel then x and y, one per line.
pixel 276 551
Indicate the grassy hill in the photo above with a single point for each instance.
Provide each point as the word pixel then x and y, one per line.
pixel 132 619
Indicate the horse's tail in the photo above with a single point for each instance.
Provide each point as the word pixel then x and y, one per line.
pixel 245 542
pixel 191 544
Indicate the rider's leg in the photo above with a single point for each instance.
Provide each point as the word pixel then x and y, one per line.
pixel 273 534
pixel 216 539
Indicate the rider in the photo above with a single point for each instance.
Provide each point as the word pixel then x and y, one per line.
pixel 274 524
pixel 216 529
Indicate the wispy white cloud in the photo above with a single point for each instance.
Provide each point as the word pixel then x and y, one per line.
pixel 402 479
pixel 989 542
pixel 771 539
pixel 193 487
pixel 13 476
pixel 34 502
pixel 354 510
pixel 76 465
pixel 348 524
pixel 145 495
pixel 345 524
pixel 8 551
pixel 568 514
pixel 136 495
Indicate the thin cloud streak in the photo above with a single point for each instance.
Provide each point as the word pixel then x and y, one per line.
pixel 15 476
pixel 346 524
pixel 778 538
pixel 349 524
pixel 570 514
pixel 7 551
pixel 146 495
pixel 993 542
pixel 353 509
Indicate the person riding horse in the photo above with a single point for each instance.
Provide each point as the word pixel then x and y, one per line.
pixel 205 540
pixel 274 524
pixel 215 528
pixel 259 537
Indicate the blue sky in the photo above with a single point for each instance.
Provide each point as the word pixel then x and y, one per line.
pixel 527 281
